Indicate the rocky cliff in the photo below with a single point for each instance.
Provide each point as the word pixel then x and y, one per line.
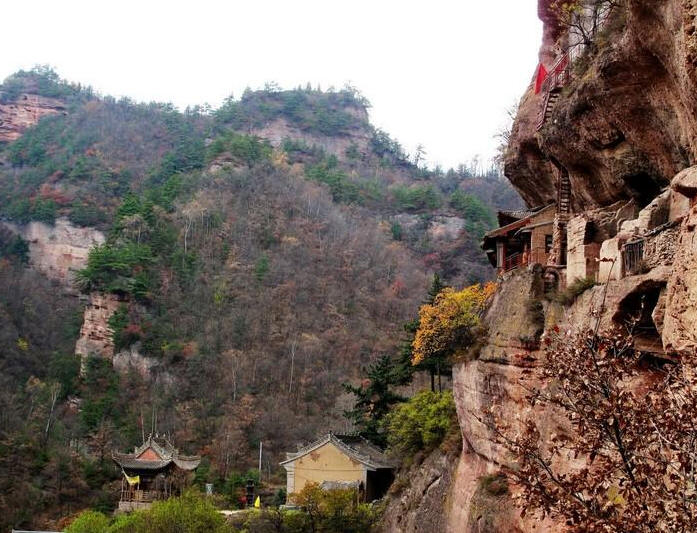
pixel 628 121
pixel 19 114
pixel 58 250
pixel 623 129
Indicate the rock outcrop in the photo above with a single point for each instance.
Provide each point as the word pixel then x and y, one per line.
pixel 627 123
pixel 96 337
pixel 60 250
pixel 26 110
pixel 419 499
pixel 625 129
pixel 358 139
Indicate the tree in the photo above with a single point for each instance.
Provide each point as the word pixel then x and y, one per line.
pixel 631 419
pixel 374 399
pixel 421 423
pixel 583 18
pixel 419 155
pixel 448 327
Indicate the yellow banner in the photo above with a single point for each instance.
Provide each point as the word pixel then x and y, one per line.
pixel 132 480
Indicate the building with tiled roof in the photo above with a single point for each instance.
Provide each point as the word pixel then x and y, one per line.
pixel 154 471
pixel 340 461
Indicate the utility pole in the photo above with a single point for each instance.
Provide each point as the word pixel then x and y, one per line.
pixel 261 445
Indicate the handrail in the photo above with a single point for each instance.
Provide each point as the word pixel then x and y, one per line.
pixel 557 78
pixel 531 257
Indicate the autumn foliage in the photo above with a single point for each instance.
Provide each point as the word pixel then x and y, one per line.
pixel 448 326
pixel 625 458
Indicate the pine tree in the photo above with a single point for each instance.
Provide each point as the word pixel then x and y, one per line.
pixel 374 398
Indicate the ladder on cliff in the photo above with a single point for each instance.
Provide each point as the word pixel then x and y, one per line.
pixel 564 192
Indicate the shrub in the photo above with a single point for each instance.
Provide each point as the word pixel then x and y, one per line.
pixel 421 423
pixel 573 291
pixel 247 148
pixel 89 522
pixel 416 198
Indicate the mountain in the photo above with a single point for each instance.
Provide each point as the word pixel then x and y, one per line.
pixel 221 272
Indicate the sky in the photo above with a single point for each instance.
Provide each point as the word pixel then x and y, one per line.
pixel 440 73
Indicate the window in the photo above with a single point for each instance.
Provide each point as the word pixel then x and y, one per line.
pixel 548 243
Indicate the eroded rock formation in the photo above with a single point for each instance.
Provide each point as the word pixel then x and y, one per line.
pixel 625 129
pixel 26 110
pixel 628 123
pixel 96 337
pixel 60 250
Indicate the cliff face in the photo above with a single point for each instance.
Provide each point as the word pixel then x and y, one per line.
pixel 625 129
pixel 628 121
pixel 60 250
pixel 20 114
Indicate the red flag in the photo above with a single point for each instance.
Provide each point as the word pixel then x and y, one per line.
pixel 540 78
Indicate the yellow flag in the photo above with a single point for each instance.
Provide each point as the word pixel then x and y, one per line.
pixel 132 480
pixel 257 503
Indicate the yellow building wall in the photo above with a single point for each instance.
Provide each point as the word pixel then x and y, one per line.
pixel 326 463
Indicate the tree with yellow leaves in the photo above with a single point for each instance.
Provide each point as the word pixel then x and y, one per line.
pixel 448 326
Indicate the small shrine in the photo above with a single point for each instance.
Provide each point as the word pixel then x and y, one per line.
pixel 154 471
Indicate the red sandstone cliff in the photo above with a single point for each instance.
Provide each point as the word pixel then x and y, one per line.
pixel 17 115
pixel 624 127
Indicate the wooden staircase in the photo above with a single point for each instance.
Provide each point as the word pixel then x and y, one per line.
pixel 552 86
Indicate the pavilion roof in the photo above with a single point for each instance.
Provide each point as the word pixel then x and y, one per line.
pixel 165 455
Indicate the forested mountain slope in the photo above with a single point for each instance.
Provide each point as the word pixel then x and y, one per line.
pixel 252 259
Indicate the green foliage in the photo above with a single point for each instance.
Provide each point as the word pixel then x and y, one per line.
pixel 309 110
pixel 261 268
pixel 421 423
pixel 479 217
pixel 122 334
pixel 65 369
pixel 342 189
pixel 374 398
pixel 388 149
pixel 113 268
pixel 23 210
pixel 13 247
pixel 101 388
pixel 574 290
pixel 89 522
pixel 416 198
pixel 189 513
pixel 246 148
pixel 84 214
pixel 44 81
pixel 329 511
pixel 397 231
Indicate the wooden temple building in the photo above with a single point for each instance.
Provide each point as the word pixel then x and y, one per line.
pixel 154 471
pixel 524 237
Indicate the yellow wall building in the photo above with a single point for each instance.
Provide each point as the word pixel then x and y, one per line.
pixel 340 461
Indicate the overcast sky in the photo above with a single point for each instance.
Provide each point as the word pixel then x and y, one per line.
pixel 440 73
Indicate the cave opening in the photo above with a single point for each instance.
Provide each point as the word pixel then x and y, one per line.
pixel 636 312
pixel 643 187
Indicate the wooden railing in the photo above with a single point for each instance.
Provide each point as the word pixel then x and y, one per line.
pixel 557 78
pixel 142 495
pixel 532 257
